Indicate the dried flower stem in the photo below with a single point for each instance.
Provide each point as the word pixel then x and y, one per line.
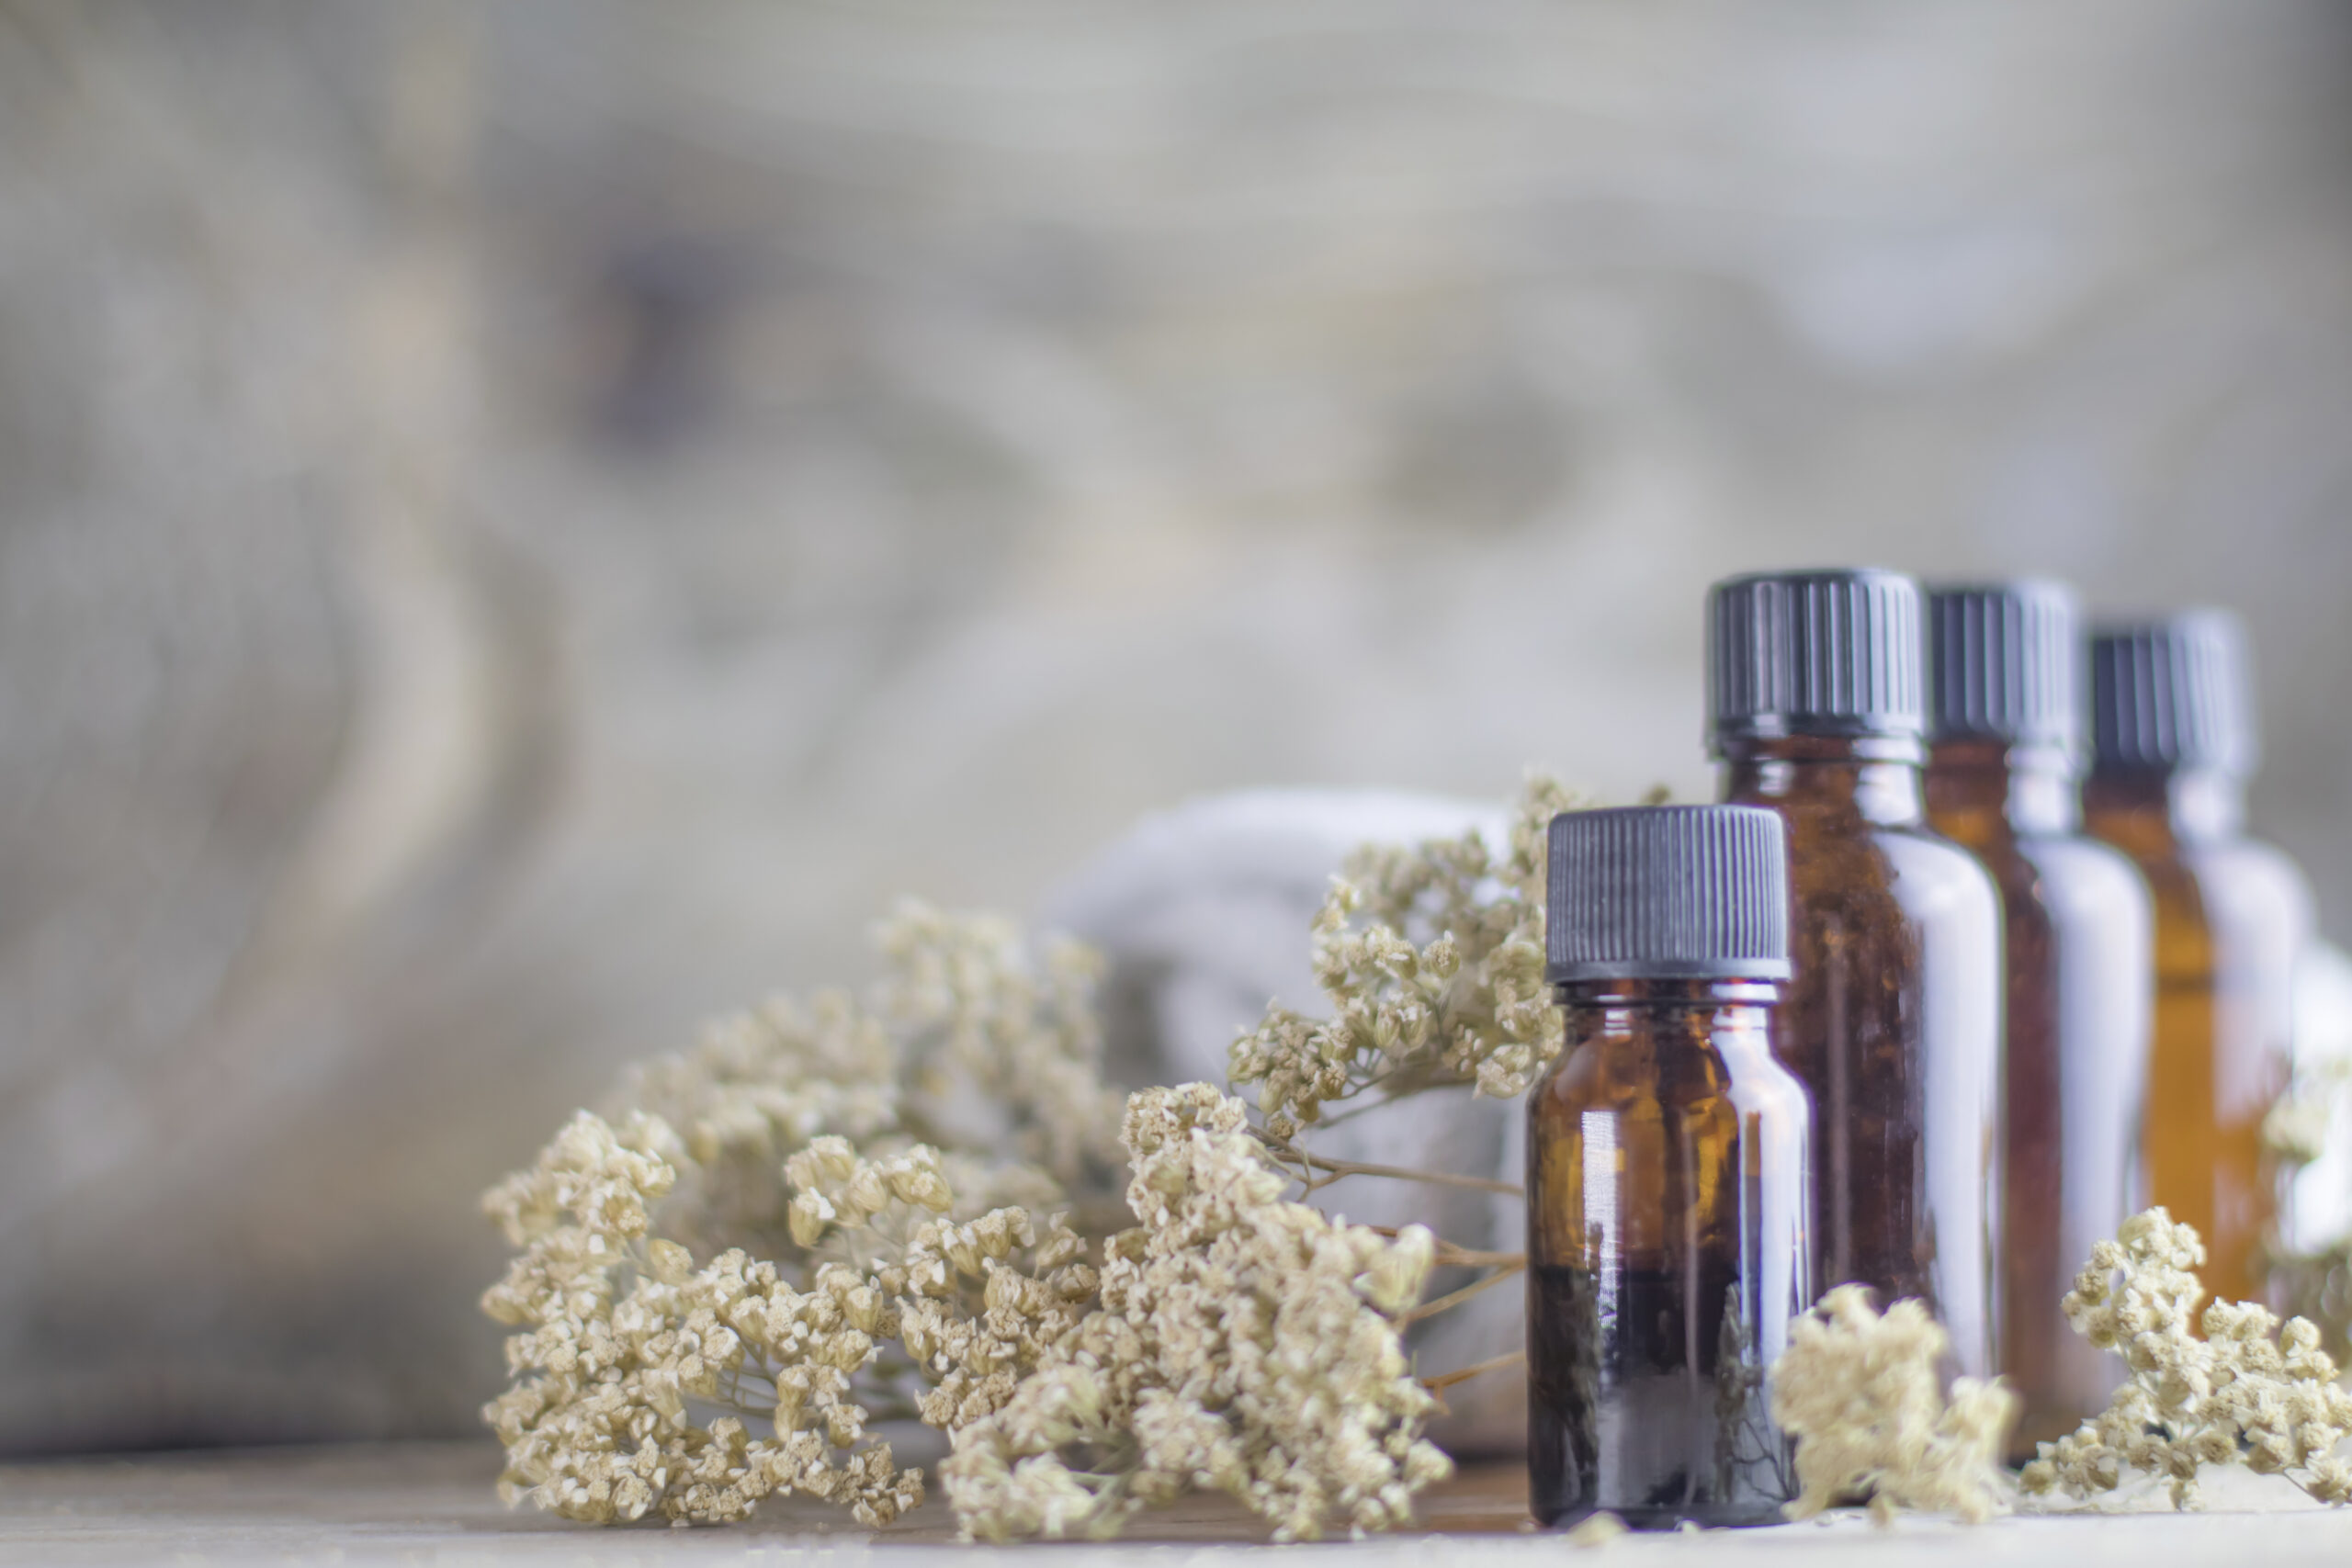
pixel 1450 1255
pixel 1431 1309
pixel 1445 1381
pixel 1287 1150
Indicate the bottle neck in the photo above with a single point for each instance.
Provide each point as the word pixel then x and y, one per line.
pixel 1875 776
pixel 2150 809
pixel 1977 785
pixel 1665 1028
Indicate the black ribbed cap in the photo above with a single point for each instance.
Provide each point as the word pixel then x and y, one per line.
pixel 1814 653
pixel 1667 892
pixel 2004 663
pixel 2172 693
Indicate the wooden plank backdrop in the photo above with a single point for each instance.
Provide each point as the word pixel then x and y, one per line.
pixel 523 526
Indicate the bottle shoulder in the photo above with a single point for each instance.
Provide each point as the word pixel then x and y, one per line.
pixel 2075 872
pixel 1933 875
pixel 1675 1069
pixel 2247 881
pixel 2250 864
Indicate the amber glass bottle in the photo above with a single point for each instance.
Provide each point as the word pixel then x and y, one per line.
pixel 1666 1174
pixel 1893 1019
pixel 2004 719
pixel 2173 743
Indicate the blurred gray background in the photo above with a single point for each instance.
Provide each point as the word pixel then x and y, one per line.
pixel 523 526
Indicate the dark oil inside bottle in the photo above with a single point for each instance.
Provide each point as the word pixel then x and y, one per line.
pixel 2232 918
pixel 1892 1024
pixel 1667 1214
pixel 2076 933
pixel 1650 1402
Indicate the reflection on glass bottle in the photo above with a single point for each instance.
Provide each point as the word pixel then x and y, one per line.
pixel 1893 1016
pixel 2173 734
pixel 1666 1174
pixel 2006 712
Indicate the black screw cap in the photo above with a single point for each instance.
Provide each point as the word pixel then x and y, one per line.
pixel 2005 664
pixel 1667 892
pixel 2171 693
pixel 1814 653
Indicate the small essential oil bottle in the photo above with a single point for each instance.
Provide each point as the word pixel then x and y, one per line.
pixel 1666 1174
pixel 2173 744
pixel 1893 1020
pixel 2006 745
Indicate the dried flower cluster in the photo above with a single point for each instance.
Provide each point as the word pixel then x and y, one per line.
pixel 1244 1344
pixel 1858 1391
pixel 2249 1391
pixel 2315 1283
pixel 1431 958
pixel 805 1227
pixel 719 1290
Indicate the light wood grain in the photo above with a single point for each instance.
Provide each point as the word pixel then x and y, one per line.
pixel 433 1502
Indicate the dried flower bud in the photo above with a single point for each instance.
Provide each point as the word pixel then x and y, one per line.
pixel 671 1263
pixel 1392 1283
pixel 808 1216
pixel 924 1187
pixel 866 1192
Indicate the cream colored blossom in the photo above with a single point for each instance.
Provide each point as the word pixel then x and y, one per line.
pixel 2234 1386
pixel 1244 1344
pixel 869 1209
pixel 715 1295
pixel 2312 1282
pixel 1858 1392
pixel 621 1335
pixel 983 1026
pixel 1431 960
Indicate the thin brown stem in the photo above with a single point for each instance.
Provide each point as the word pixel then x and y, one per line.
pixel 1342 1168
pixel 1431 1309
pixel 1356 1107
pixel 1450 1255
pixel 1445 1381
pixel 1361 1107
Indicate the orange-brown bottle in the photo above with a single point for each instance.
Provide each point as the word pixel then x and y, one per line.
pixel 2005 715
pixel 1666 1174
pixel 2173 744
pixel 1893 1020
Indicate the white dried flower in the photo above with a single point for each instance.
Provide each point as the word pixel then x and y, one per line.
pixel 2312 1282
pixel 1431 958
pixel 1858 1392
pixel 981 1024
pixel 789 1149
pixel 1244 1344
pixel 863 1181
pixel 597 1425
pixel 2249 1390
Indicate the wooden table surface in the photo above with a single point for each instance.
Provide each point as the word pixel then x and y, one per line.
pixel 433 1503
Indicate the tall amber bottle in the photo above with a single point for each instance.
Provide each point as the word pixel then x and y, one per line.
pixel 2005 717
pixel 1666 1174
pixel 1894 1016
pixel 2173 743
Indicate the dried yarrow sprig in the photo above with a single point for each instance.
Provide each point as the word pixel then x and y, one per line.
pixel 787 1237
pixel 2251 1391
pixel 1431 960
pixel 865 1255
pixel 1246 1344
pixel 2315 1283
pixel 1858 1392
